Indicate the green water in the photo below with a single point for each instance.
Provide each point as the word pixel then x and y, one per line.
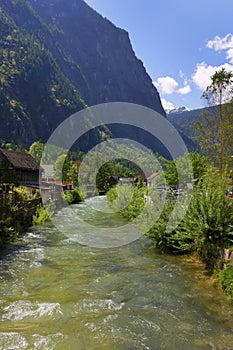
pixel 58 294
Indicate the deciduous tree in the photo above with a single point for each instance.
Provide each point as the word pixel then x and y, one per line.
pixel 215 131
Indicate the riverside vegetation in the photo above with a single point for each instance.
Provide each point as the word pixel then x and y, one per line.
pixel 19 215
pixel 206 228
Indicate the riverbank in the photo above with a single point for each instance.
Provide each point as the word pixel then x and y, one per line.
pixel 204 228
pixel 16 218
pixel 25 211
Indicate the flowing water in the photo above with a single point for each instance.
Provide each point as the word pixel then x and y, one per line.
pixel 58 294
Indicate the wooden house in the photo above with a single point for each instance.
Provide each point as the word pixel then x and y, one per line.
pixel 18 168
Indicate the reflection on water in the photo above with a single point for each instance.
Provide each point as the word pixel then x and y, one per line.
pixel 58 294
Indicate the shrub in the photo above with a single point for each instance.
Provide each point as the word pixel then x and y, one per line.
pixel 73 197
pixel 162 239
pixel 7 234
pixel 209 217
pixel 41 215
pixel 127 200
pixel 111 195
pixel 226 281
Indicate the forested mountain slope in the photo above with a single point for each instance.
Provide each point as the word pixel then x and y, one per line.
pixel 57 57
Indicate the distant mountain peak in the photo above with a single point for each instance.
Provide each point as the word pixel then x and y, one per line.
pixel 177 110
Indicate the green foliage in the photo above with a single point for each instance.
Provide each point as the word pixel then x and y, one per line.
pixel 42 215
pixel 36 150
pixel 73 197
pixel 220 89
pixel 128 200
pixel 191 164
pixel 162 239
pixel 226 281
pixel 103 175
pixel 33 85
pixel 214 131
pixel 209 216
pixel 22 195
pixel 8 233
pixel 112 195
pixel 137 203
pixel 62 168
pixel 206 227
pixel 12 146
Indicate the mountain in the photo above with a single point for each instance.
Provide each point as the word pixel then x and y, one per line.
pixel 185 120
pixel 57 57
pixel 177 110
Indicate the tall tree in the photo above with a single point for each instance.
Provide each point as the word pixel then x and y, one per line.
pixel 214 132
pixel 63 168
pixel 36 150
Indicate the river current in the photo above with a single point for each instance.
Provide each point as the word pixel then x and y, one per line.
pixel 58 294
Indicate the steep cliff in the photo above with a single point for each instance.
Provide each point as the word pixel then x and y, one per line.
pixel 57 57
pixel 102 51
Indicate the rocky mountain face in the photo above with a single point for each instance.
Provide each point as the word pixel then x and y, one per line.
pixel 57 57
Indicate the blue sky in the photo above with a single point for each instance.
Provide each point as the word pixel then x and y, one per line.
pixel 181 43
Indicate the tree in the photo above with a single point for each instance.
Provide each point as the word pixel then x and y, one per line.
pixel 220 90
pixel 36 150
pixel 190 164
pixel 63 168
pixel 214 132
pixel 103 175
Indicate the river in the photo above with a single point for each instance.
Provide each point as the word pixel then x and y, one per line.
pixel 58 294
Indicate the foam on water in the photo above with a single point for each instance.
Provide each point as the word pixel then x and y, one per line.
pixel 25 310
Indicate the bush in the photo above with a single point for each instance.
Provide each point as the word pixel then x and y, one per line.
pixel 209 217
pixel 41 215
pixel 119 196
pixel 74 196
pixel 226 281
pixel 205 228
pixel 7 234
pixel 111 195
pixel 21 194
pixel 162 239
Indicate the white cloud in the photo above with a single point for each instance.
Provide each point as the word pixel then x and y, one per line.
pixel 184 90
pixel 203 73
pixel 220 44
pixel 166 104
pixel 167 85
pixel 184 77
pixel 230 55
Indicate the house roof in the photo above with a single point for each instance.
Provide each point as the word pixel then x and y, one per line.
pixel 20 160
pixel 153 175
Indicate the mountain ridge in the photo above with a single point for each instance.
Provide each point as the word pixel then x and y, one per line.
pixel 58 58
